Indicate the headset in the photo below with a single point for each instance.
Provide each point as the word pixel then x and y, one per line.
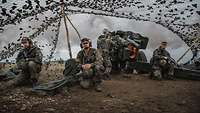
pixel 85 39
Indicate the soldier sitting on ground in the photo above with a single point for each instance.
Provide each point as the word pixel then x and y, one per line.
pixel 131 59
pixel 91 63
pixel 162 63
pixel 29 62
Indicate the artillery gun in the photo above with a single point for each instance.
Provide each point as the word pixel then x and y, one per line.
pixel 117 46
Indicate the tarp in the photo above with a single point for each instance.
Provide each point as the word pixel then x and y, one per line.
pixel 70 76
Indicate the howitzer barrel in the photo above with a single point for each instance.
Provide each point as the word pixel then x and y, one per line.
pixel 133 42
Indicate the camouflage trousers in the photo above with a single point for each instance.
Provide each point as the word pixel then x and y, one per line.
pixel 91 77
pixel 106 62
pixel 29 74
pixel 166 71
pixel 108 68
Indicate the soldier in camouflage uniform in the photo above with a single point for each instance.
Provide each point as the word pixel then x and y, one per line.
pixel 104 43
pixel 29 61
pixel 117 53
pixel 162 64
pixel 91 64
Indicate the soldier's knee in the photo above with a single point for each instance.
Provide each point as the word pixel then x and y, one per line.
pixel 31 64
pixel 99 67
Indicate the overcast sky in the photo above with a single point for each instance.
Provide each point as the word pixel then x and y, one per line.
pixel 91 26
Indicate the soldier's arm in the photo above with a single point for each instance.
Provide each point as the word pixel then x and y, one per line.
pixel 168 54
pixel 19 56
pixel 38 56
pixel 99 59
pixel 78 57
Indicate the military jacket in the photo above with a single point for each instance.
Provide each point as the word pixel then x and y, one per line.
pixel 93 57
pixel 32 54
pixel 161 52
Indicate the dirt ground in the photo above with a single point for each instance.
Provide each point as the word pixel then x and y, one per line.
pixel 137 94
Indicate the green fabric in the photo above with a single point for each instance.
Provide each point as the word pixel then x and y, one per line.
pixel 32 54
pixel 9 74
pixel 71 76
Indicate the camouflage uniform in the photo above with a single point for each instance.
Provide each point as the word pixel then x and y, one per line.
pixel 29 61
pixel 162 64
pixel 93 75
pixel 117 54
pixel 104 45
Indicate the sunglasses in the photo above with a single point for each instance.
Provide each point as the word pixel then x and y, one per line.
pixel 85 43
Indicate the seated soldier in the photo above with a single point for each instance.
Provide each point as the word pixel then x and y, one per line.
pixel 29 61
pixel 162 63
pixel 132 57
pixel 91 63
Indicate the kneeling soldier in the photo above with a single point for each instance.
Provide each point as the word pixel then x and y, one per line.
pixel 162 63
pixel 91 63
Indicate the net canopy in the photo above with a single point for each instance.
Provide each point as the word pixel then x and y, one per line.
pixel 182 17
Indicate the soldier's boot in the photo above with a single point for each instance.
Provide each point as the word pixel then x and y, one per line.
pixel 107 72
pixel 157 75
pixel 98 87
pixel 97 83
pixel 135 72
pixel 85 84
pixel 34 82
pixel 171 76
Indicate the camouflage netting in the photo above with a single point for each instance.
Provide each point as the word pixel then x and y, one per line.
pixel 182 17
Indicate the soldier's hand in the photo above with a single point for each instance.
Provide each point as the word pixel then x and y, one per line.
pixel 87 66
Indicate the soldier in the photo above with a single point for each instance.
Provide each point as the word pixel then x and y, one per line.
pixel 117 53
pixel 104 43
pixel 91 64
pixel 162 63
pixel 132 58
pixel 29 61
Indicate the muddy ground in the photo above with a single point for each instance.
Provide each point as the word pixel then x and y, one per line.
pixel 137 94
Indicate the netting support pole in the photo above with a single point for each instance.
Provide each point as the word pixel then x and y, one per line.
pixel 67 31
